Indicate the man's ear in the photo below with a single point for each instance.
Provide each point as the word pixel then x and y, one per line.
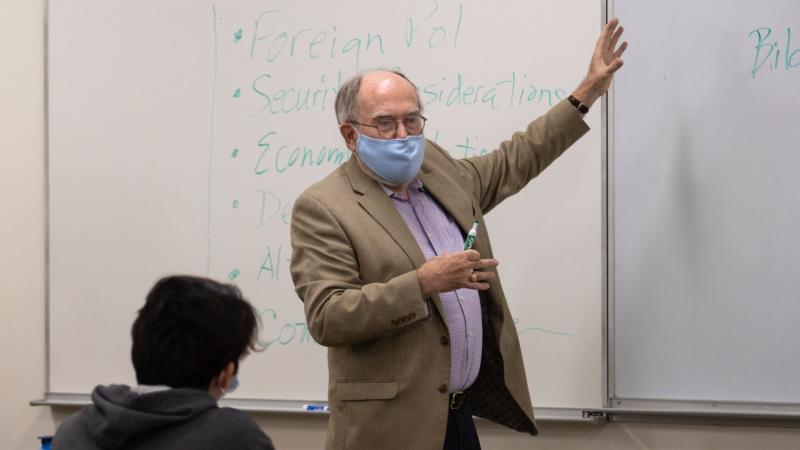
pixel 350 136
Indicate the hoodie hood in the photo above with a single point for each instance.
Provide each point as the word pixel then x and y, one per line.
pixel 120 415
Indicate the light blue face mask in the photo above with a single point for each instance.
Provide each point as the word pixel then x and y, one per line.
pixel 232 386
pixel 393 160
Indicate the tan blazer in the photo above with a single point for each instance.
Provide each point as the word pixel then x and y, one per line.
pixel 353 265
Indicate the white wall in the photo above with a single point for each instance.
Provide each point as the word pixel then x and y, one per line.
pixel 22 291
pixel 22 214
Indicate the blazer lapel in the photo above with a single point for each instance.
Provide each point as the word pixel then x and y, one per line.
pixel 452 199
pixel 450 196
pixel 378 205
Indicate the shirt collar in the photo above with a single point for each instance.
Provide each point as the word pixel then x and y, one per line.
pixel 415 184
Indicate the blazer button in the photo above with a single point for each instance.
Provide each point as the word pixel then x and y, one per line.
pixel 443 388
pixel 444 340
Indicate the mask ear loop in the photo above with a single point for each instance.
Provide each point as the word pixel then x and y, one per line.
pixel 234 383
pixel 231 386
pixel 357 134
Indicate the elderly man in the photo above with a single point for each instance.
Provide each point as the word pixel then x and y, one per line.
pixel 419 335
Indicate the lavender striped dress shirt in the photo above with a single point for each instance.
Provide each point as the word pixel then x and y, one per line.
pixel 436 232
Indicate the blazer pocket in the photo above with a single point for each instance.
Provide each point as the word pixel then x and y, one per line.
pixel 366 390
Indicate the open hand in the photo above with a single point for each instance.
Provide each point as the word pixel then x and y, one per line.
pixel 606 59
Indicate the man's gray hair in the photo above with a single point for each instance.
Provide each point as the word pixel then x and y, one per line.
pixel 347 99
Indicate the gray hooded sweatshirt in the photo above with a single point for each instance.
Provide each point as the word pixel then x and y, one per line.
pixel 185 419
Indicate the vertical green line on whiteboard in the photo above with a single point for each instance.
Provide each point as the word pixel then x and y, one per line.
pixel 211 143
pixel 458 24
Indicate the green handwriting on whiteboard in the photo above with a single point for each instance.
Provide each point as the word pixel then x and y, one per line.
pixel 282 157
pixel 286 332
pixel 771 51
pixel 282 332
pixel 272 43
pixel 272 207
pixel 527 328
pixel 456 89
pixel 512 91
pixel 431 27
pixel 284 100
pixel 273 262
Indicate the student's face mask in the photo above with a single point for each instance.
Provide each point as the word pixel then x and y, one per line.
pixel 232 386
pixel 394 160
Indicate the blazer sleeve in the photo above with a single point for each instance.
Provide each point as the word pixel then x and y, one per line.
pixel 518 160
pixel 340 309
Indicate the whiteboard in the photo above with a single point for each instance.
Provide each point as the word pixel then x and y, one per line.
pixel 181 132
pixel 706 292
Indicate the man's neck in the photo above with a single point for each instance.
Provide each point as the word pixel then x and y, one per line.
pixel 401 189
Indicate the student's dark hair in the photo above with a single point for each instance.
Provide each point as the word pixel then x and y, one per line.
pixel 189 329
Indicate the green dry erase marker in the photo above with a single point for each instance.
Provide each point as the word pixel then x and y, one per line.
pixel 471 236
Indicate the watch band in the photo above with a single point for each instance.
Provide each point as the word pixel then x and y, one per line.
pixel 583 109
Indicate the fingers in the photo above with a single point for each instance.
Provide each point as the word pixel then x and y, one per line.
pixel 620 50
pixel 607 32
pixel 474 261
pixel 614 39
pixel 611 26
pixel 472 255
pixel 481 276
pixel 455 271
pixel 479 280
pixel 615 65
pixel 467 270
pixel 486 264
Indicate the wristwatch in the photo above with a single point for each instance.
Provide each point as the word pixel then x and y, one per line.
pixel 583 109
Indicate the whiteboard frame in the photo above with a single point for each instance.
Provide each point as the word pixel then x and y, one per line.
pixel 605 313
pixel 615 408
pixel 638 409
pixel 47 261
pixel 62 399
pixel 576 415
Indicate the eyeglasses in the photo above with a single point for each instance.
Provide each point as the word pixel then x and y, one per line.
pixel 387 127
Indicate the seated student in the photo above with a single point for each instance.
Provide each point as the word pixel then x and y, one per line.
pixel 188 340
